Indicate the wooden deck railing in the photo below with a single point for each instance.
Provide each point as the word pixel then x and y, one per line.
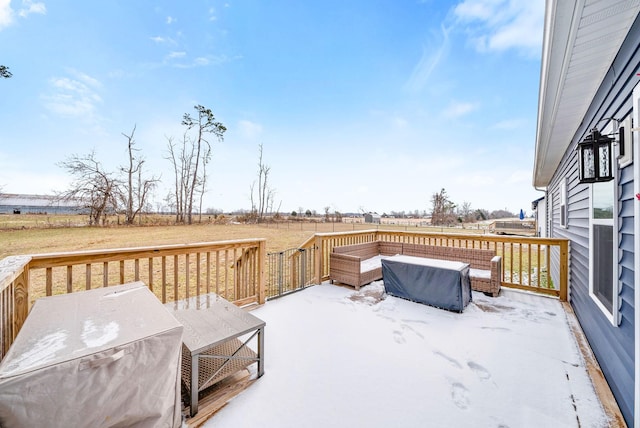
pixel 526 261
pixel 232 269
pixel 236 270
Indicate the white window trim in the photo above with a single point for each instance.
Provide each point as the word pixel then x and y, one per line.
pixel 564 214
pixel 614 315
pixel 636 248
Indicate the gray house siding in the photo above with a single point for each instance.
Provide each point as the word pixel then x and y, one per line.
pixel 612 345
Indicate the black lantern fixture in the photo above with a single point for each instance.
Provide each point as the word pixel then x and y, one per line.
pixel 594 153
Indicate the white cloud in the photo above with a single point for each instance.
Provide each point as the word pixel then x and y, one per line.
pixel 173 60
pixel 6 13
pixel 520 176
pixel 75 96
pixel 483 10
pixel 170 20
pixel 28 7
pixel 400 122
pixel 176 55
pixel 499 25
pixel 250 130
pixel 429 60
pixel 212 14
pixel 477 180
pixel 509 124
pixel 163 40
pixel 201 61
pixel 458 109
pixel 32 181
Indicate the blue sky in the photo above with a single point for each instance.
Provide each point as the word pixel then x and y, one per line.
pixel 360 105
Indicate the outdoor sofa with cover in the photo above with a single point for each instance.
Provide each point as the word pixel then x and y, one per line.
pixel 360 264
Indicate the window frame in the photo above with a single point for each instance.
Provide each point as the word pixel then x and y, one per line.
pixel 562 204
pixel 613 315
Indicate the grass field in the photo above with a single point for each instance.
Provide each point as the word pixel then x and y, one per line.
pixel 24 234
pixel 35 234
pixel 34 241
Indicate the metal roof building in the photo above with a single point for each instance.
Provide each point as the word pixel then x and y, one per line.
pixel 37 204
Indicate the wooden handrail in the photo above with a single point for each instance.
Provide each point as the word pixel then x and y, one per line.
pixel 233 269
pixel 236 269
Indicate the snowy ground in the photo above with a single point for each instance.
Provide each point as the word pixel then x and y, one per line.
pixel 339 358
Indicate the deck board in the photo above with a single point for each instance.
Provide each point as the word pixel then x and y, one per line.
pixel 216 397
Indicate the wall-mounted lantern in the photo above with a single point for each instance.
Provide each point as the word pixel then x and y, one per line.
pixel 594 154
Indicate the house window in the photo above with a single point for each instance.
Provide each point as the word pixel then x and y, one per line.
pixel 563 203
pixel 603 282
pixel 552 217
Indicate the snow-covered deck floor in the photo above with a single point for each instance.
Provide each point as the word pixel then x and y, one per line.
pixel 340 358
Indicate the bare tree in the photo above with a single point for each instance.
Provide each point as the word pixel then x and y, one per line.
pixel 177 160
pixel 265 193
pixel 135 189
pixel 4 72
pixel 443 209
pixel 190 160
pixel 465 212
pixel 94 187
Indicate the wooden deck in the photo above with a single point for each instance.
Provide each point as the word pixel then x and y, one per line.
pixel 237 269
pixel 595 372
pixel 216 397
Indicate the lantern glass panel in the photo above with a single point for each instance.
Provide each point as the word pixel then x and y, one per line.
pixel 604 158
pixel 588 163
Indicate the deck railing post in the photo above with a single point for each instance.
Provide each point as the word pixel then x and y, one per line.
pixel 14 298
pixel 21 300
pixel 564 270
pixel 262 280
pixel 319 268
pixel 303 268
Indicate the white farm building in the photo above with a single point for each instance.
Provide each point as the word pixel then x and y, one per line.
pixel 13 203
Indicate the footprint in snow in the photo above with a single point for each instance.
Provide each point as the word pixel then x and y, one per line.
pixel 496 328
pixel 460 395
pixel 398 336
pixel 480 371
pixel 453 361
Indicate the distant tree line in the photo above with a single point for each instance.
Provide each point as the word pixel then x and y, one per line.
pixel 444 212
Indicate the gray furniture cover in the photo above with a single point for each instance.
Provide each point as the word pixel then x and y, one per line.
pixel 108 357
pixel 440 283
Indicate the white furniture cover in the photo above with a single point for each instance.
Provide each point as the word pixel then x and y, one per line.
pixel 108 357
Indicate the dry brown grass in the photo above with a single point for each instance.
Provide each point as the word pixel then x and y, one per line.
pixel 36 234
pixel 47 240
